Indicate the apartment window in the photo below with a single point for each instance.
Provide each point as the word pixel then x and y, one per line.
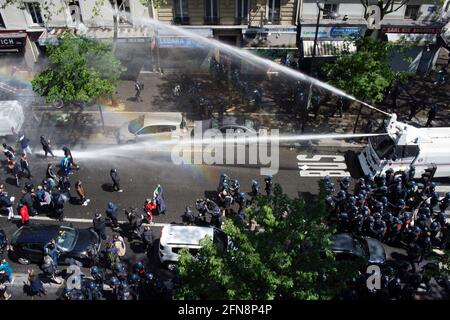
pixel 274 11
pixel 35 11
pixel 2 23
pixel 180 14
pixel 211 12
pixel 124 11
pixel 75 11
pixel 328 9
pixel 242 11
pixel 412 12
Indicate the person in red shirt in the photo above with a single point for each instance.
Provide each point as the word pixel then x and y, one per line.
pixel 149 207
pixel 23 210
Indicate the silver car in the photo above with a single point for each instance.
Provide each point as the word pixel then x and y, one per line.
pixel 152 126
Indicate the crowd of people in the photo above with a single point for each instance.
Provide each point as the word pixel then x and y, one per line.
pixel 398 210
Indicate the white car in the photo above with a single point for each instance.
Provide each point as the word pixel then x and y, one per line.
pixel 176 237
pixel 152 126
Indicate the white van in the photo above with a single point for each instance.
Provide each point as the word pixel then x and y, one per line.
pixel 405 145
pixel 173 238
pixel 11 117
pixel 152 126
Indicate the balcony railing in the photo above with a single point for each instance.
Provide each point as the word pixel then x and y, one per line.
pixel 181 20
pixel 211 20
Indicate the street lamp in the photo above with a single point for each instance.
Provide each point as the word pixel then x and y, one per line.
pixel 332 15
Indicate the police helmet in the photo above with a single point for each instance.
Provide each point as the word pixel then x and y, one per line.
pixel 397 220
pixel 342 194
pixel 118 267
pixel 370 219
pixel 346 179
pixel 113 170
pixel 242 194
pixel 327 178
pixel 425 211
pixel 447 195
pixel 95 270
pixel 384 189
pixel 384 200
pixel 110 205
pixel 369 176
pixel 139 266
pixel 149 276
pixel 115 281
pixel 377 215
pixel 91 285
pixel 254 183
pixel 134 278
pixel 401 202
pixel 434 226
pixel 351 199
pixel 225 185
pixel 123 286
pixel 268 178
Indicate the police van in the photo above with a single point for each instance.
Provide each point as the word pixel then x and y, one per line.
pixel 175 237
pixel 404 145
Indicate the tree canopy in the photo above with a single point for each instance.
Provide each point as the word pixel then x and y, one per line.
pixel 289 259
pixel 80 69
pixel 366 73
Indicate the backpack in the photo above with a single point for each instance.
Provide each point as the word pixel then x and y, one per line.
pixel 5 201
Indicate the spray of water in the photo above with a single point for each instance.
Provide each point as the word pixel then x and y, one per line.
pixel 198 144
pixel 247 56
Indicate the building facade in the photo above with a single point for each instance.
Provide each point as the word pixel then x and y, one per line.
pixel 250 24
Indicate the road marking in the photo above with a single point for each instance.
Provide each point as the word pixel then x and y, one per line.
pixel 40 218
pixel 310 166
pixel 443 189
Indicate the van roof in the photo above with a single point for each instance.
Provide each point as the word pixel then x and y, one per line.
pixel 8 105
pixel 184 235
pixel 163 118
pixel 404 134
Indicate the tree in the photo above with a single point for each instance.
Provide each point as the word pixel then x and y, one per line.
pixel 80 69
pixel 289 259
pixel 386 6
pixel 366 73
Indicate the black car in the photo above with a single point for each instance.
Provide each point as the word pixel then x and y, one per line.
pixel 3 242
pixel 348 247
pixel 27 243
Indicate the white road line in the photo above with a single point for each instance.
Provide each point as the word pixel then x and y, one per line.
pixel 40 218
pixel 442 188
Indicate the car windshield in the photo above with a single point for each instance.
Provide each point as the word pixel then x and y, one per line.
pixel 66 238
pixel 136 124
pixel 383 146
pixel 361 248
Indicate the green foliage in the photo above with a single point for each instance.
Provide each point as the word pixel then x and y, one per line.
pixel 286 259
pixel 365 74
pixel 79 69
pixel 156 3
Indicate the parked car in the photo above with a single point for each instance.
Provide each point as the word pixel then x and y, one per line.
pixel 155 126
pixel 348 247
pixel 173 238
pixel 237 125
pixel 27 243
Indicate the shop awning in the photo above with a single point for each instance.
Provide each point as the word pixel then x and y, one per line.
pixel 415 38
pixel 327 48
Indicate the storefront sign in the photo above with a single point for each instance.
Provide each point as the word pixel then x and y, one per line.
pixel 13 40
pixel 177 42
pixel 331 32
pixel 420 30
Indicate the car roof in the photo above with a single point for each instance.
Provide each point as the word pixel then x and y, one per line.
pixel 36 234
pixel 163 118
pixel 342 242
pixel 184 235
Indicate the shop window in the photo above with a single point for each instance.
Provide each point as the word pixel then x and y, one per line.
pixel 124 11
pixel 242 11
pixel 328 9
pixel 211 12
pixel 274 11
pixel 75 11
pixel 34 9
pixel 180 12
pixel 412 12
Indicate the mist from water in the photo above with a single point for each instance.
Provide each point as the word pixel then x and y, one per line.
pixel 248 57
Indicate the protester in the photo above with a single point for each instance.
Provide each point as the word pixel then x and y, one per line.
pixel 116 180
pixel 46 146
pixel 99 225
pixel 79 188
